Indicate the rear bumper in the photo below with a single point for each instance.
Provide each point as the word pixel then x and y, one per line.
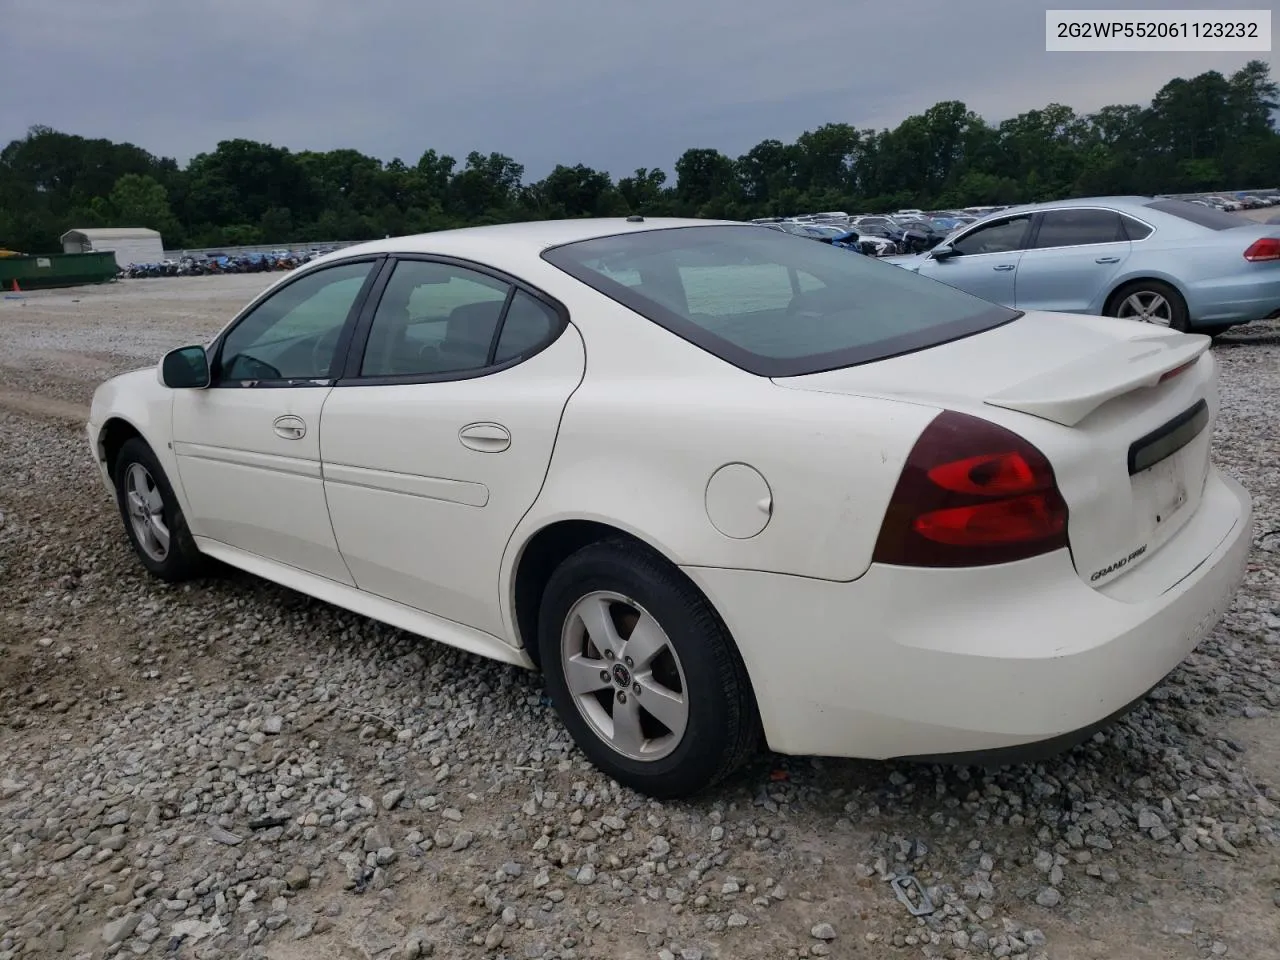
pixel 907 662
pixel 1239 299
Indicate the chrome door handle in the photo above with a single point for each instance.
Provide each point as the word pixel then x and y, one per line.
pixel 290 427
pixel 1004 266
pixel 1107 260
pixel 485 437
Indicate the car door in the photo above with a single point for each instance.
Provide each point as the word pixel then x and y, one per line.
pixel 437 440
pixel 1073 256
pixel 248 447
pixel 983 260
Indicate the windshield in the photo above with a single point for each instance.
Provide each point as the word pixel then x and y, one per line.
pixel 773 306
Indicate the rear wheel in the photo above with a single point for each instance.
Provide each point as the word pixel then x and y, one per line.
pixel 1150 301
pixel 643 673
pixel 152 518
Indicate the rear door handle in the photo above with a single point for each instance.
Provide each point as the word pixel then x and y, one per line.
pixel 1107 260
pixel 485 437
pixel 290 427
pixel 1004 266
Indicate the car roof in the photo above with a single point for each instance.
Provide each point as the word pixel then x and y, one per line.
pixel 530 237
pixel 1118 203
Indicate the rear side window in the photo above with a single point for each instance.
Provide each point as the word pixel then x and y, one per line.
pixel 772 306
pixel 1075 228
pixel 1201 216
pixel 434 318
pixel 529 324
pixel 1134 229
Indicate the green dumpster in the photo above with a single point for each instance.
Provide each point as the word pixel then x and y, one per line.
pixel 56 270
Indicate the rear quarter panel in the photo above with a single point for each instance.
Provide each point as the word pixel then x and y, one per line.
pixel 655 417
pixel 1207 267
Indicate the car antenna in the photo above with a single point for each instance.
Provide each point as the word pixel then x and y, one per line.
pixel 635 218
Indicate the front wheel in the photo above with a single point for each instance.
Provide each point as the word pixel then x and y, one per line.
pixel 1150 301
pixel 152 518
pixel 643 673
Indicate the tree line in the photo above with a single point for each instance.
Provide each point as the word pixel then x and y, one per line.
pixel 1209 132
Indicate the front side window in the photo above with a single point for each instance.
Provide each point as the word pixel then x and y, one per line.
pixel 770 305
pixel 433 318
pixel 294 333
pixel 1075 228
pixel 1003 236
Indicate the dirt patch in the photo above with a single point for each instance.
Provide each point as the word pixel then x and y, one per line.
pixel 46 408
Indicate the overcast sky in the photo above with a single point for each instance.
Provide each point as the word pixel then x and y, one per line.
pixel 615 84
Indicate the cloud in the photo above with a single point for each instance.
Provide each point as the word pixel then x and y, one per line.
pixel 615 86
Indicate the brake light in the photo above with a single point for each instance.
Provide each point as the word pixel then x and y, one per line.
pixel 1268 248
pixel 972 494
pixel 1170 374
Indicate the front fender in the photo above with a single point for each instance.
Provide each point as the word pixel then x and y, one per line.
pixel 141 402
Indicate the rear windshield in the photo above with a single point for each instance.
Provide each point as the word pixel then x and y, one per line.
pixel 1210 217
pixel 773 304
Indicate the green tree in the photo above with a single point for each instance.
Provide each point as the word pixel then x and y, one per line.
pixel 138 200
pixel 1209 131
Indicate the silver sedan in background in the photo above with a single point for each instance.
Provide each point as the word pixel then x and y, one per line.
pixel 1163 261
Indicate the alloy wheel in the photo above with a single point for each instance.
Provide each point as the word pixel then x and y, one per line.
pixel 624 676
pixel 1147 306
pixel 146 512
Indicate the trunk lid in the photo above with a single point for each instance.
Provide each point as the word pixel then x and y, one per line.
pixel 1122 410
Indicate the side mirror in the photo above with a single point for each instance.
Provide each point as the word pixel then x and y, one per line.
pixel 186 368
pixel 944 251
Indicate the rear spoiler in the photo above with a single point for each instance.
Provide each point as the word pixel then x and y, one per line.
pixel 1069 393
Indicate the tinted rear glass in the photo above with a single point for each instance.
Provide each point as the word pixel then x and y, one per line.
pixel 1078 227
pixel 1209 217
pixel 773 304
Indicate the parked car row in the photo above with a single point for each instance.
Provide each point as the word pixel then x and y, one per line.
pixel 1169 262
pixel 879 235
pixel 1230 203
pixel 218 263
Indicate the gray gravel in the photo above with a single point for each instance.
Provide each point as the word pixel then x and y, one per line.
pixel 228 769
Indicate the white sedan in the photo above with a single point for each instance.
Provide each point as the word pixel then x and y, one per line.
pixel 718 483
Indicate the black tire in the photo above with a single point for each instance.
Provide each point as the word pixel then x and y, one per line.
pixel 182 560
pixel 1179 318
pixel 723 723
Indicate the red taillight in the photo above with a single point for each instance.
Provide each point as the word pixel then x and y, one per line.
pixel 1268 248
pixel 971 494
pixel 1170 374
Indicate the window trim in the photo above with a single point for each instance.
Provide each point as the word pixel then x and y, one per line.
pixel 1121 214
pixel 760 366
pixel 995 221
pixel 1152 229
pixel 351 375
pixel 340 350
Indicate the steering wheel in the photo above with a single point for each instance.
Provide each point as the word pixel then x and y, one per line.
pixel 245 367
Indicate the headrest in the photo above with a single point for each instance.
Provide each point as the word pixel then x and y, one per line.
pixel 473 322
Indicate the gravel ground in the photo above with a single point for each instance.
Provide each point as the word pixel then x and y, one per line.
pixel 228 769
